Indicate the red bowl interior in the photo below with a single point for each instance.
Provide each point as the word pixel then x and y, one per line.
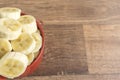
pixel 33 66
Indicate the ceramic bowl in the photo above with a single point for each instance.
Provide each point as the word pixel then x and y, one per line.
pixel 33 66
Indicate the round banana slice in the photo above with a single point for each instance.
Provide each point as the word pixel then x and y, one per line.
pixel 28 23
pixel 36 54
pixel 9 28
pixel 13 64
pixel 30 58
pixel 38 31
pixel 24 43
pixel 37 37
pixel 5 47
pixel 10 12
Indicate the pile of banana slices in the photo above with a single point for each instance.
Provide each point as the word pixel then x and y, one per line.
pixel 20 41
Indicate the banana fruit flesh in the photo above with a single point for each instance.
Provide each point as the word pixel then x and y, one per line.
pixel 20 42
pixel 36 54
pixel 5 47
pixel 10 12
pixel 30 57
pixel 37 37
pixel 13 64
pixel 24 44
pixel 9 28
pixel 28 23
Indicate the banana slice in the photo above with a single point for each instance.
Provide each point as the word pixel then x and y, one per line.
pixel 5 47
pixel 28 23
pixel 36 54
pixel 30 58
pixel 9 28
pixel 38 31
pixel 24 43
pixel 10 12
pixel 37 37
pixel 13 64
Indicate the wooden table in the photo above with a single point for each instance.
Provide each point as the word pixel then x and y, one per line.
pixel 82 38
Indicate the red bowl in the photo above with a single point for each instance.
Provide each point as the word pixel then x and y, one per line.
pixel 33 66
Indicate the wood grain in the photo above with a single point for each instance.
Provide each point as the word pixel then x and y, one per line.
pixel 102 48
pixel 82 37
pixel 64 51
pixel 74 77
pixel 70 12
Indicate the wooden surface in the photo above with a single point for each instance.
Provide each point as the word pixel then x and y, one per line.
pixel 82 38
pixel 64 51
pixel 102 48
pixel 74 77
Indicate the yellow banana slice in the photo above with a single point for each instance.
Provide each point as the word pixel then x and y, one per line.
pixel 38 31
pixel 9 28
pixel 28 23
pixel 30 58
pixel 10 12
pixel 36 54
pixel 37 37
pixel 5 47
pixel 24 43
pixel 13 64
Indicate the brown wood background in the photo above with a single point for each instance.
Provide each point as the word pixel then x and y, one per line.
pixel 82 38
